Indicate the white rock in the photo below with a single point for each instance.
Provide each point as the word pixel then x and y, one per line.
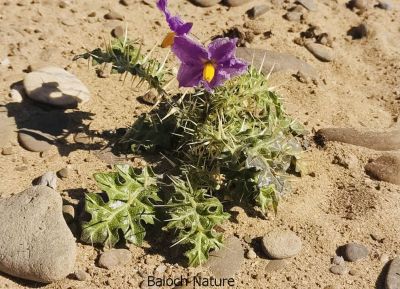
pixel 55 86
pixel 281 244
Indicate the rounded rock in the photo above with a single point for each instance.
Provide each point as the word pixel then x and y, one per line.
pixel 281 244
pixel 55 86
pixel 251 254
pixel 34 140
pixel 43 248
pixel 354 252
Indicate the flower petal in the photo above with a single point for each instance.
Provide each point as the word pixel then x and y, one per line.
pixel 175 22
pixel 233 67
pixel 189 76
pixel 189 52
pixel 222 49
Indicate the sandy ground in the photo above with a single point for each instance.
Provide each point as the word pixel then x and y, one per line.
pixel 360 88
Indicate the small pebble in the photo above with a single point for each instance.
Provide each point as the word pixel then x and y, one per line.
pixel 353 272
pixel 293 16
pixel 92 14
pixel 118 32
pixel 359 4
pixel 65 172
pixel 354 252
pixel 7 151
pixel 338 260
pixel 81 275
pixel 257 11
pixel 48 179
pixel 251 254
pixel 114 257
pixel 339 269
pixel 206 3
pixel 112 15
pixel 384 5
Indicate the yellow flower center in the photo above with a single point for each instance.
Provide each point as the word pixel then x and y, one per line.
pixel 168 40
pixel 208 71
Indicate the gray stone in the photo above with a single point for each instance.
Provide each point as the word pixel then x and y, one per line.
pixel 309 4
pixel 338 260
pixel 257 11
pixel 35 242
pixel 354 252
pixel 393 275
pixel 205 3
pixel 114 258
pixel 293 16
pixel 81 275
pixel 48 179
pixel 55 86
pixel 251 254
pixel 339 269
pixel 34 140
pixel 320 51
pixel 225 262
pixel 274 61
pixel 281 244
pixel 234 3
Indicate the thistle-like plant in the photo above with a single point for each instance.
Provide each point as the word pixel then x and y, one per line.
pixel 193 216
pixel 126 57
pixel 126 207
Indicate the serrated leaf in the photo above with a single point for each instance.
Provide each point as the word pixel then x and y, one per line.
pixel 130 204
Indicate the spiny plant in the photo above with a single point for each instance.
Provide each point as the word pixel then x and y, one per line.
pixel 193 216
pixel 229 139
pixel 126 57
pixel 128 204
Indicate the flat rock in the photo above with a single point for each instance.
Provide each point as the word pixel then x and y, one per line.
pixel 381 141
pixel 275 61
pixel 205 3
pixel 55 86
pixel 34 140
pixel 393 275
pixel 385 168
pixel 281 244
pixel 309 4
pixel 354 252
pixel 225 262
pixel 114 258
pixel 234 3
pixel 320 51
pixel 35 243
pixel 7 130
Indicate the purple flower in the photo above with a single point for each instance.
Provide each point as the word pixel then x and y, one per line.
pixel 209 67
pixel 176 24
